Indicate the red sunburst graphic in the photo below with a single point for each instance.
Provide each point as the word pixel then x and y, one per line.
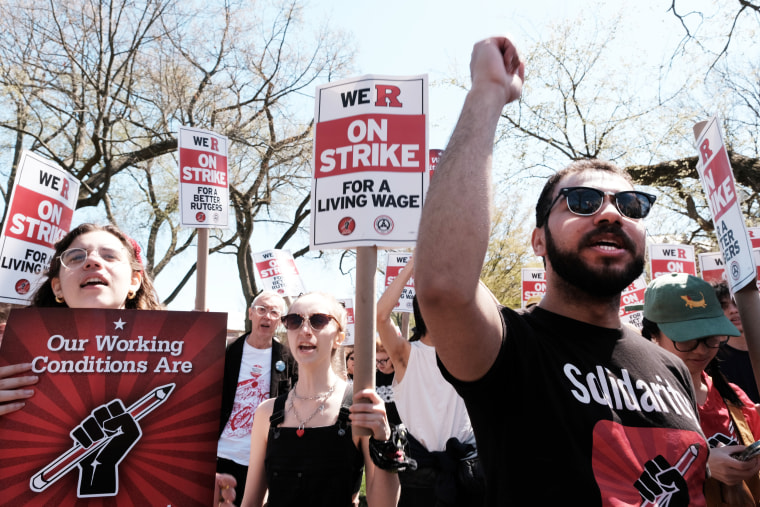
pixel 173 462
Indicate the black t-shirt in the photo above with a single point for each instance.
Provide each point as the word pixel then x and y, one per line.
pixel 572 414
pixel 384 388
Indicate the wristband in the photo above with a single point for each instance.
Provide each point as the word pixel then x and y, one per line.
pixel 390 454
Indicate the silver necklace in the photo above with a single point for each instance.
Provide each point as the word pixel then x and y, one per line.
pixel 320 397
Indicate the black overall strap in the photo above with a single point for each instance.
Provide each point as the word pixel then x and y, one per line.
pixel 278 412
pixel 348 400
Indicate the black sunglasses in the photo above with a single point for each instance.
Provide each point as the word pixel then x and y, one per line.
pixel 586 201
pixel 317 321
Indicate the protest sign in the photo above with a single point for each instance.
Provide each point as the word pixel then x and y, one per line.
pixel 126 410
pixel 717 179
pixel 393 266
pixel 278 272
pixel 370 162
pixel 203 179
pixel 39 214
pixel 533 283
pixel 712 267
pixel 671 258
pixel 348 304
pixel 754 236
pixel 632 301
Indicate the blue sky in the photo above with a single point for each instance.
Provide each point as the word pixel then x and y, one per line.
pixel 407 37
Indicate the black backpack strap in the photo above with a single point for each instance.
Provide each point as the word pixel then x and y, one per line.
pixel 348 399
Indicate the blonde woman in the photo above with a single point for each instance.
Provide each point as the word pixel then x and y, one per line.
pixel 303 450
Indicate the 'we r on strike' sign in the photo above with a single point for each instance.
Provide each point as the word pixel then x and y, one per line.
pixel 370 162
pixel 40 210
pixel 203 176
pixel 717 179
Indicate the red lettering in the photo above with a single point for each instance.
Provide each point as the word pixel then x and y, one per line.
pixel 215 144
pixel 65 189
pixel 705 150
pixel 387 96
pixel 681 253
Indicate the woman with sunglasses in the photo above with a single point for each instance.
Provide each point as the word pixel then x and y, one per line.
pixel 683 315
pixel 303 451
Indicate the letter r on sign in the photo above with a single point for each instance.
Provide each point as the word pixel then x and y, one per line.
pixel 215 144
pixel 705 150
pixel 387 96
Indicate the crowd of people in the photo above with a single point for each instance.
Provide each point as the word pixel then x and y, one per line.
pixel 557 403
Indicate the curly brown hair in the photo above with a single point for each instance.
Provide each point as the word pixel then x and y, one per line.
pixel 145 298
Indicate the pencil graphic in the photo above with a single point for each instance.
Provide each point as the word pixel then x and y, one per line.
pixel 69 459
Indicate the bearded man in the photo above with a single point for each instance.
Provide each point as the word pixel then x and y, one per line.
pixel 568 405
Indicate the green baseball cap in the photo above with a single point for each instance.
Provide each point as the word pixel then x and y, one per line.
pixel 685 308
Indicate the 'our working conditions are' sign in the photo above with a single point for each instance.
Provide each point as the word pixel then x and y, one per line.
pixel 203 183
pixel 370 162
pixel 40 210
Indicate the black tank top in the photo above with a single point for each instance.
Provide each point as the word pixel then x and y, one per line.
pixel 322 467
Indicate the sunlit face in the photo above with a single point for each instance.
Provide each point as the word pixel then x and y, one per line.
pixel 314 346
pixel 383 362
pixel 98 282
pixel 265 326
pixel 600 254
pixel 350 363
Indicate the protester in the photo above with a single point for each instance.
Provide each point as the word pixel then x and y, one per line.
pixel 348 350
pixel 568 405
pixel 733 356
pixel 257 367
pixel 303 449
pixel 682 315
pixel 435 416
pixel 98 266
pixel 385 371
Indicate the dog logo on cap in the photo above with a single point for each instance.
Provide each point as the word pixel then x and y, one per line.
pixel 695 304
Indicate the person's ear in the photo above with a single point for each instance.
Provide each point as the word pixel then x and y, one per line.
pixel 134 286
pixel 538 241
pixel 55 285
pixel 339 339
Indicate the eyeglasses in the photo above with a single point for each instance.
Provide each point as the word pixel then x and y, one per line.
pixel 263 310
pixel 711 342
pixel 586 201
pixel 382 362
pixel 76 257
pixel 317 321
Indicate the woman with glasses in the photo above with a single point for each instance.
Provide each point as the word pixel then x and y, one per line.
pixel 683 315
pixel 98 266
pixel 93 267
pixel 303 450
